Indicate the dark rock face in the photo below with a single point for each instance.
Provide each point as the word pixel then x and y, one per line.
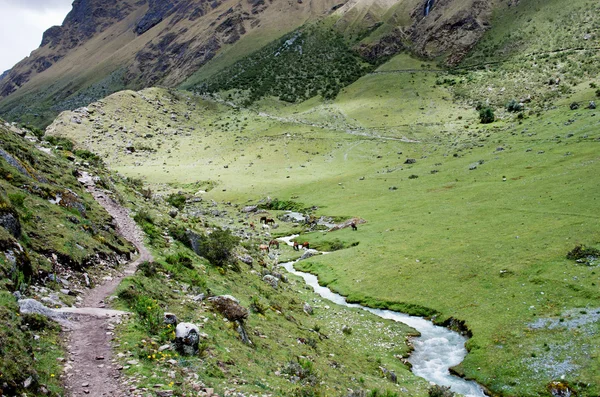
pixel 387 46
pixel 11 223
pixel 52 35
pixel 86 19
pixel 159 9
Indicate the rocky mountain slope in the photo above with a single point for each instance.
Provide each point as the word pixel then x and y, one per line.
pixel 103 47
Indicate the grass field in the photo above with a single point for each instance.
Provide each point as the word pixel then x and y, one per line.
pixel 476 226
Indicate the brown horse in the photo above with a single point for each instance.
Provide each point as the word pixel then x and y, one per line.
pixel 263 248
pixel 275 243
pixel 353 226
pixel 306 245
pixel 296 246
pixel 263 219
pixel 270 220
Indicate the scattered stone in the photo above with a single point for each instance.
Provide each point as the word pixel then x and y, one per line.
pixel 592 105
pixel 272 281
pixel 410 161
pixel 307 309
pixel 309 253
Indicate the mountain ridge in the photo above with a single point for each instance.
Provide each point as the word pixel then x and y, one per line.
pixel 145 43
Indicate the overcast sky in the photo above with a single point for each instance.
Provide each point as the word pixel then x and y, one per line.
pixel 22 23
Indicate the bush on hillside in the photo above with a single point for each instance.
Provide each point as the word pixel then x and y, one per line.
pixel 514 106
pixel 440 391
pixel 217 248
pixel 177 200
pixel 486 115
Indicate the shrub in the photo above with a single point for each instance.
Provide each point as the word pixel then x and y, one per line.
pixel 282 205
pixel 302 369
pixel 584 254
pixel 60 141
pixel 129 294
pixel 149 269
pixel 87 155
pixel 142 217
pixel 257 306
pixel 439 391
pixel 180 259
pixel 150 313
pixel 514 106
pixel 486 115
pixel 177 200
pixel 217 247
pixel 17 199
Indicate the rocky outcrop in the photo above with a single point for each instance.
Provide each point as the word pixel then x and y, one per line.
pixel 450 28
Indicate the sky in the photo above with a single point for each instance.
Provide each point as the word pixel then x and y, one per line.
pixel 22 24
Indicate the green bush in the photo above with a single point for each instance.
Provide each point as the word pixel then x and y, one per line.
pixel 143 216
pixel 149 269
pixel 65 143
pixel 217 247
pixel 180 259
pixel 282 205
pixel 486 115
pixel 177 200
pixel 89 156
pixel 150 313
pixel 514 106
pixel 439 391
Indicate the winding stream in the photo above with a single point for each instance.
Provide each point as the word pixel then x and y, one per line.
pixel 435 351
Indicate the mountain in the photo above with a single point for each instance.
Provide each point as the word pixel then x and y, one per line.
pixel 103 47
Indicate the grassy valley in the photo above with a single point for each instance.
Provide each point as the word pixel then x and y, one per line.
pixel 491 224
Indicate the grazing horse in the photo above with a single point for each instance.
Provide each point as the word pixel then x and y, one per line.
pixel 306 245
pixel 252 225
pixel 296 246
pixel 263 219
pixel 263 248
pixel 275 243
pixel 353 226
pixel 270 220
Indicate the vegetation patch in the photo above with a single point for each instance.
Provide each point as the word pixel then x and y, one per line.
pixel 313 60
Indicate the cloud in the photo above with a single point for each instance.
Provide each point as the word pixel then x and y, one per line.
pixel 22 23
pixel 38 5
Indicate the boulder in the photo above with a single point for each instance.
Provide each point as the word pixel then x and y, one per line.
pixel 11 223
pixel 229 307
pixel 187 338
pixel 309 253
pixel 271 280
pixel 307 309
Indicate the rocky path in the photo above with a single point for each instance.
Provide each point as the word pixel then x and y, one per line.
pixel 90 369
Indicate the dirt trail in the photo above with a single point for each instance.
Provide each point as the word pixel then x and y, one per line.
pixel 90 369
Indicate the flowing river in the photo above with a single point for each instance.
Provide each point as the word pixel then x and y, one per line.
pixel 435 351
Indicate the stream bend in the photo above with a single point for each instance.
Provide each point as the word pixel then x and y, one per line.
pixel 435 351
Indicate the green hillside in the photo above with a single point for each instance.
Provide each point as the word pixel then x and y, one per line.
pixel 45 213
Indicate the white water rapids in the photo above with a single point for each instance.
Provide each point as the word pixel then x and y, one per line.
pixel 435 351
